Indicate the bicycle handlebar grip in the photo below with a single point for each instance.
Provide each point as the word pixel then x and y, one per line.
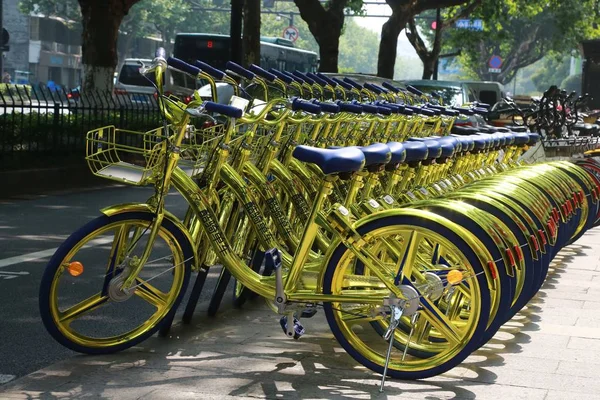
pixel 427 112
pixel 433 110
pixel 308 79
pixel 436 107
pixel 160 53
pixel 464 110
pixel 482 105
pixel 368 108
pixel 480 110
pixel 262 73
pixel 238 69
pixel 305 106
pixel 215 73
pixel 331 108
pixel 343 84
pixel 384 110
pixel 320 82
pixel 405 111
pixel 327 79
pixel 353 83
pixel 450 113
pixel 390 87
pixel 223 109
pixel 349 107
pixel 183 66
pixel 281 76
pixel 372 88
pixel 294 77
pixel 414 90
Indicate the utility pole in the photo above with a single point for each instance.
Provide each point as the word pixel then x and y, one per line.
pixel 438 28
pixel 235 31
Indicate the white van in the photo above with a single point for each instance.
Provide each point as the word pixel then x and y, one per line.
pixel 487 91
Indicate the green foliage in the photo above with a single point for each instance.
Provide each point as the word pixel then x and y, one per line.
pixel 552 71
pixel 572 83
pixel 358 49
pixel 68 9
pixel 522 32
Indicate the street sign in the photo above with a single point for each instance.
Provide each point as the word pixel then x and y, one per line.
pixel 495 62
pixel 291 33
pixel 494 70
pixel 476 24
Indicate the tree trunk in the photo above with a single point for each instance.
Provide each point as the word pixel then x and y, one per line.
pixel 388 45
pixel 329 51
pixel 101 21
pixel 428 67
pixel 251 39
pixel 235 30
pixel 326 27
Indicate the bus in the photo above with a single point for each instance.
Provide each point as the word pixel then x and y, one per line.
pixel 215 50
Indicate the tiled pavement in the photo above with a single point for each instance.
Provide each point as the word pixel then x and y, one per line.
pixel 549 351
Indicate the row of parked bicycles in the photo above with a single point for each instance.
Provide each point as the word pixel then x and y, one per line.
pixel 556 115
pixel 417 243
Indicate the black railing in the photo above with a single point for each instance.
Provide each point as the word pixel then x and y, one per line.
pixel 41 126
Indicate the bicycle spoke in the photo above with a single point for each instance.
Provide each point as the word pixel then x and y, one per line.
pixel 82 308
pixel 151 294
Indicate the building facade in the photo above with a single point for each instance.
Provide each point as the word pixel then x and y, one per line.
pixel 44 49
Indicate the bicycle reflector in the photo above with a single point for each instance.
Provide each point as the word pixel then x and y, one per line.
pixel 454 277
pixel 75 268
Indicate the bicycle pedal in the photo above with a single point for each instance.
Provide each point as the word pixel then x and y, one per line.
pixel 298 328
pixel 309 312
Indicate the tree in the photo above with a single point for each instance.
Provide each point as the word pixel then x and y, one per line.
pixel 522 32
pixel 402 12
pixel 445 20
pixel 325 23
pixel 100 20
pixel 251 36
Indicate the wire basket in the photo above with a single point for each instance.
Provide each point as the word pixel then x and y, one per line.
pixel 125 156
pixel 137 158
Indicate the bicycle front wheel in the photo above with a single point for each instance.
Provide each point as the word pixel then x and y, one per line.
pixel 81 301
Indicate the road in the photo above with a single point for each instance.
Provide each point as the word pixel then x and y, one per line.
pixel 30 230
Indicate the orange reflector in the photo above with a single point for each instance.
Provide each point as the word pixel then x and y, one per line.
pixel 492 268
pixel 570 206
pixel 564 210
pixel 581 196
pixel 551 228
pixel 542 237
pixel 519 252
pixel 536 245
pixel 454 277
pixel 556 216
pixel 75 268
pixel 511 258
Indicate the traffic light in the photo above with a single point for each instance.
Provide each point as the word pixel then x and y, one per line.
pixel 268 3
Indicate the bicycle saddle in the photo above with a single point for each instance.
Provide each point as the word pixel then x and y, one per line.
pixel 415 151
pixel 375 154
pixel 434 149
pixel 331 161
pixel 398 152
pixel 449 146
pixel 521 138
pixel 479 142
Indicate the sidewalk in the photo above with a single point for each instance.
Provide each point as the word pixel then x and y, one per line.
pixel 549 351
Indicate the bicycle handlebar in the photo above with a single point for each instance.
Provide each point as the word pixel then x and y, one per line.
pixel 238 69
pixel 215 73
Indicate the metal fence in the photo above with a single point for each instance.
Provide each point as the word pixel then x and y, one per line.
pixel 41 126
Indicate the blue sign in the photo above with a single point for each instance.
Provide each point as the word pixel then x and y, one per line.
pixel 476 24
pixel 56 60
pixel 495 62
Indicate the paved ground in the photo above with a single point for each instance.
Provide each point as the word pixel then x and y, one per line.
pixel 549 351
pixel 31 227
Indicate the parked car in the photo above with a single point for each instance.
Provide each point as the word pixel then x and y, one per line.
pixel 131 86
pixel 453 93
